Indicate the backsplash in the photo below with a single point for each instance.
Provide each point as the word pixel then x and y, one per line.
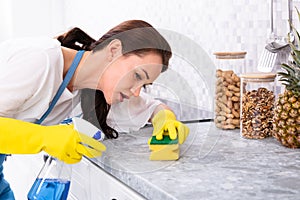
pixel 207 25
pixel 228 25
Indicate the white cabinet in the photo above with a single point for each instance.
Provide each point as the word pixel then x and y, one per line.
pixel 91 182
pixel 80 181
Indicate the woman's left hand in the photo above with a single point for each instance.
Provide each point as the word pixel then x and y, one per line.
pixel 165 123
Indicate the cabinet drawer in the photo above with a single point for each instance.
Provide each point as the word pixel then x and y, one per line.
pixel 92 183
pixel 105 186
pixel 80 181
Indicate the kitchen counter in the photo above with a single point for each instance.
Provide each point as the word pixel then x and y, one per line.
pixel 213 164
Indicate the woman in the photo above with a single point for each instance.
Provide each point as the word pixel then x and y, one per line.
pixel 133 113
pixel 111 70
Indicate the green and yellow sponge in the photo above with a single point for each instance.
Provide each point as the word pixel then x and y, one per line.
pixel 165 149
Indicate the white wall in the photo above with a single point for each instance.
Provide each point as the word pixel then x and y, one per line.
pixel 30 18
pixel 227 25
pixel 215 25
pixel 6 19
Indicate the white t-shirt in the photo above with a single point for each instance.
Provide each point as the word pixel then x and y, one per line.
pixel 31 71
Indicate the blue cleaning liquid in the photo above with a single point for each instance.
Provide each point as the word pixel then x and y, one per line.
pixel 51 189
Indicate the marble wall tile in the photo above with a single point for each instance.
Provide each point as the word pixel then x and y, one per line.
pixel 227 25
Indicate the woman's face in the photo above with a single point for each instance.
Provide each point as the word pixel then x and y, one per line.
pixel 127 75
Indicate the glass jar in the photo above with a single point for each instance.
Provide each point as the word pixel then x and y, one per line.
pixel 227 100
pixel 257 105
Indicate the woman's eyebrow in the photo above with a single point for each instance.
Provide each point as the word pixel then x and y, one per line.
pixel 146 73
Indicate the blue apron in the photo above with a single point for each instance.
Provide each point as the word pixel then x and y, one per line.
pixel 5 191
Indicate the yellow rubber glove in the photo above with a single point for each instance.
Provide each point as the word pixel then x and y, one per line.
pixel 60 141
pixel 165 123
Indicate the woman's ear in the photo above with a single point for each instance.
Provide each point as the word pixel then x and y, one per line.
pixel 114 49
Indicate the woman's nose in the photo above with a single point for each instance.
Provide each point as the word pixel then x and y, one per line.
pixel 136 91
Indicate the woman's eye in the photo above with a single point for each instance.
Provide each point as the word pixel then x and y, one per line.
pixel 138 76
pixel 145 86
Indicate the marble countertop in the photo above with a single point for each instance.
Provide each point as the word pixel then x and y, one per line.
pixel 213 164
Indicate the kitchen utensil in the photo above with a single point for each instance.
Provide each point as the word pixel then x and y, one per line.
pixel 291 36
pixel 280 43
pixel 266 61
pixel 275 47
pixel 268 58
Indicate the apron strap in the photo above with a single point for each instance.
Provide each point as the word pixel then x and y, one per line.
pixel 63 85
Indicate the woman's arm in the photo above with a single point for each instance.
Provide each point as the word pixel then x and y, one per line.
pixel 134 113
pixel 158 108
pixel 60 141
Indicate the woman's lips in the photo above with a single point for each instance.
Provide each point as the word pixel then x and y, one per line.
pixel 123 96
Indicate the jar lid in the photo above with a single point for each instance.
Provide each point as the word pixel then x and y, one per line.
pixel 258 75
pixel 230 55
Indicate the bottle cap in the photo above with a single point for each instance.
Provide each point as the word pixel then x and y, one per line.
pixel 87 128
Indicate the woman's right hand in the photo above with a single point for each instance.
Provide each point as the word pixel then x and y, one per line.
pixel 60 141
pixel 69 145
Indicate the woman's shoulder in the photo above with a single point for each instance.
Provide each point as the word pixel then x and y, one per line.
pixel 27 48
pixel 40 54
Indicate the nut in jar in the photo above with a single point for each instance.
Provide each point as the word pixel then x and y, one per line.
pixel 227 97
pixel 227 100
pixel 257 104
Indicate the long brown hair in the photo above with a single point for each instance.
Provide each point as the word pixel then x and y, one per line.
pixel 137 37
